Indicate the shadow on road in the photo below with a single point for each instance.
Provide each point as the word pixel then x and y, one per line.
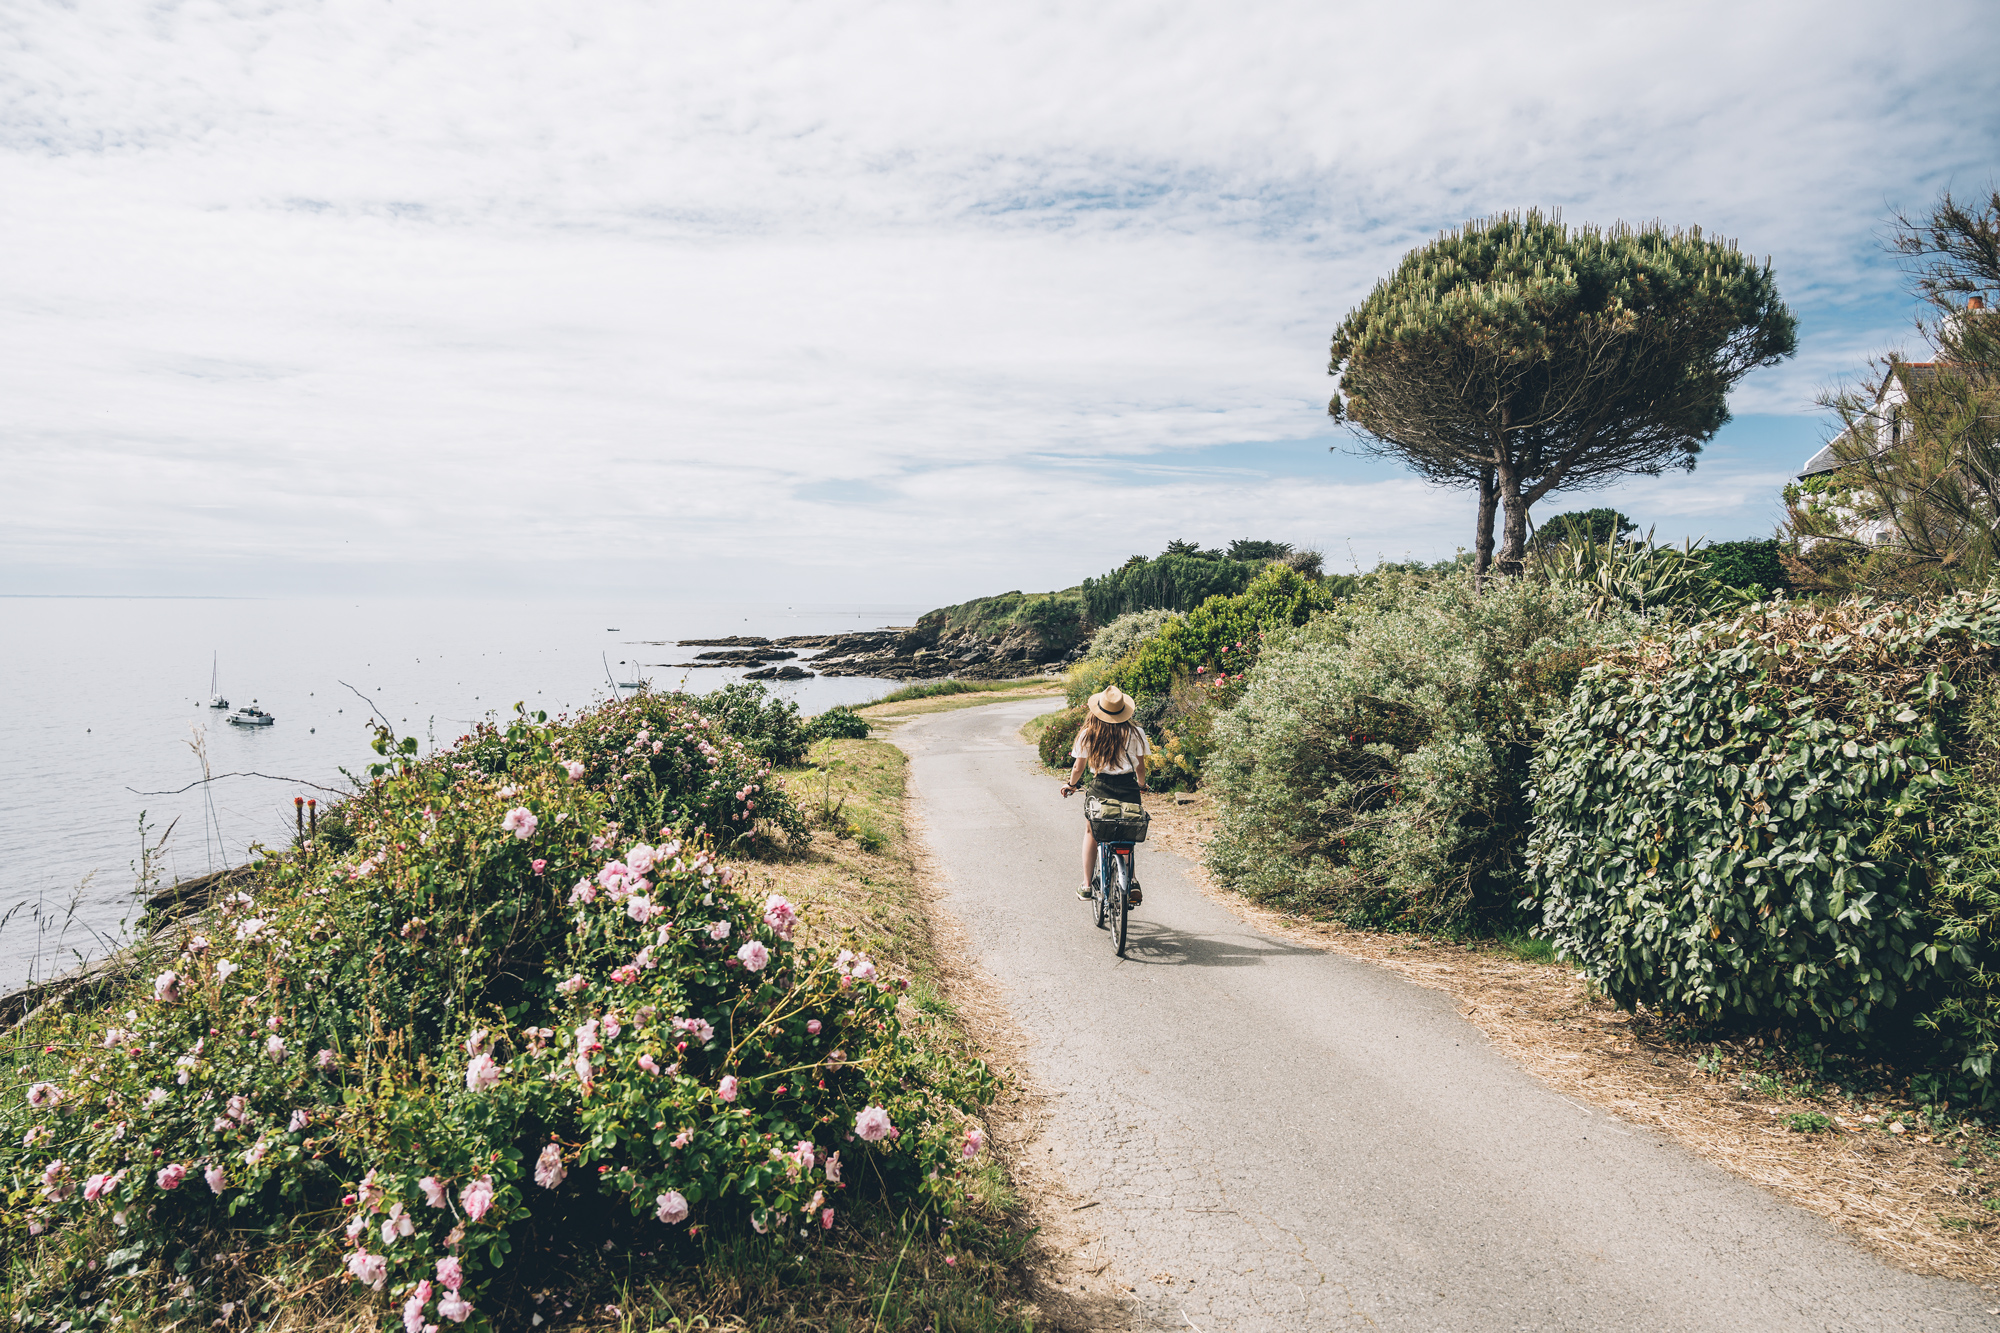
pixel 1150 942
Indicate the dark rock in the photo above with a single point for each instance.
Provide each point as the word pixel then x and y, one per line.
pixel 779 673
pixel 733 641
pixel 744 656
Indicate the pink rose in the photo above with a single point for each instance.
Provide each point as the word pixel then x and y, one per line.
pixel 44 1096
pixel 726 1089
pixel 482 1074
pixel 639 909
pixel 641 859
pixel 455 1308
pixel 671 1207
pixel 434 1193
pixel 975 1139
pixel 167 987
pixel 754 955
pixel 549 1168
pixel 171 1175
pixel 647 1063
pixel 538 865
pixel 812 1026
pixel 371 1270
pixel 719 930
pixel 826 1220
pixel 574 769
pixel 274 1047
pixel 217 1178
pixel 520 822
pixel 449 1272
pixel 780 916
pixel 413 1308
pixel 477 1197
pixel 873 1124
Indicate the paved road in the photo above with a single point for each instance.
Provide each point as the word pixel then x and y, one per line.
pixel 1308 1142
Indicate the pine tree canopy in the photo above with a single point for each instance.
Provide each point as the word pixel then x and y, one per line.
pixel 1522 356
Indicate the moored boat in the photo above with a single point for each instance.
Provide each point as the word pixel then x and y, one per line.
pixel 250 715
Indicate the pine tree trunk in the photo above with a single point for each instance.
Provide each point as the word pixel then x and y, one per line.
pixel 1482 546
pixel 1514 541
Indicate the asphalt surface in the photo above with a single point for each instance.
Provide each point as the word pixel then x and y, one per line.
pixel 1304 1141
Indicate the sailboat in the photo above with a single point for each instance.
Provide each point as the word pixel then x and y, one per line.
pixel 215 699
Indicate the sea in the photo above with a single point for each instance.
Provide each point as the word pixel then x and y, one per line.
pixel 107 739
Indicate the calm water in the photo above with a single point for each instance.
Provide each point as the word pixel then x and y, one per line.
pixel 107 704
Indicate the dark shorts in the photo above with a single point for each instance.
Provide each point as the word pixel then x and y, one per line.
pixel 1114 786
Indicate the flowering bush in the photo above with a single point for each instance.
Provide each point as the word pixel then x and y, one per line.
pixel 661 758
pixel 508 1029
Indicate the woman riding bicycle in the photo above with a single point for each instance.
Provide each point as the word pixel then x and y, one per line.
pixel 1114 748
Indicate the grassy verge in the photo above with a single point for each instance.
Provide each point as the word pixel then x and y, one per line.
pixel 1915 1184
pixel 938 689
pixel 889 712
pixel 1032 729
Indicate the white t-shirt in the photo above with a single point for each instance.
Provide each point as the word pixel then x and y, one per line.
pixel 1136 748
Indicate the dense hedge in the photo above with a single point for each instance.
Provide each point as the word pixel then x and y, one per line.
pixel 1767 819
pixel 1170 582
pixel 1376 767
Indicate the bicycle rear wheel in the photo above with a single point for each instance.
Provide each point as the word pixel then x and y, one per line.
pixel 1100 891
pixel 1121 901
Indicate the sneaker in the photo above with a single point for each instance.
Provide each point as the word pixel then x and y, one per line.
pixel 1085 893
pixel 1136 896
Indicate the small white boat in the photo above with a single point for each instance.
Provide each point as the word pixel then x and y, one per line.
pixel 215 699
pixel 250 715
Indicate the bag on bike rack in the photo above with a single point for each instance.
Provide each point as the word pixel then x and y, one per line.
pixel 1117 821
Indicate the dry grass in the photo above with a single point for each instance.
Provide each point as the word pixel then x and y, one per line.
pixel 1919 1199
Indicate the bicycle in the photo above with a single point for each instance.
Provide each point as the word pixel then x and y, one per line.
pixel 1111 888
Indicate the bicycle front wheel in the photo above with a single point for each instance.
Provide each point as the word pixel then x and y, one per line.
pixel 1121 901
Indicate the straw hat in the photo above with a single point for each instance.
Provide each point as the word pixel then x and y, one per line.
pixel 1111 705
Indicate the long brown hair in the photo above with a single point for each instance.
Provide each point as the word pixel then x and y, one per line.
pixel 1105 743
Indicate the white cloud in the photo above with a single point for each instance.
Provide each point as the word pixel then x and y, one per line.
pixel 298 290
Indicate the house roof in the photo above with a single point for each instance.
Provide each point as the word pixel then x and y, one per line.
pixel 1910 376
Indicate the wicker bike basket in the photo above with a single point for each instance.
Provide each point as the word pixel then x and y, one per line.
pixel 1117 821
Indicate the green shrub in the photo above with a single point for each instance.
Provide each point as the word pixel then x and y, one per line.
pixel 771 727
pixel 1088 677
pixel 451 1072
pixel 1126 633
pixel 1375 769
pixel 1751 565
pixel 1784 818
pixel 1059 735
pixel 1223 635
pixel 839 723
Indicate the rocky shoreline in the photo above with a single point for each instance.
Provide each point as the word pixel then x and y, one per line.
pixel 912 652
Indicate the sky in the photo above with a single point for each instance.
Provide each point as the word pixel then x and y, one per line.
pixel 901 302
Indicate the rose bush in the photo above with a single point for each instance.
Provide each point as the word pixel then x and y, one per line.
pixel 510 1027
